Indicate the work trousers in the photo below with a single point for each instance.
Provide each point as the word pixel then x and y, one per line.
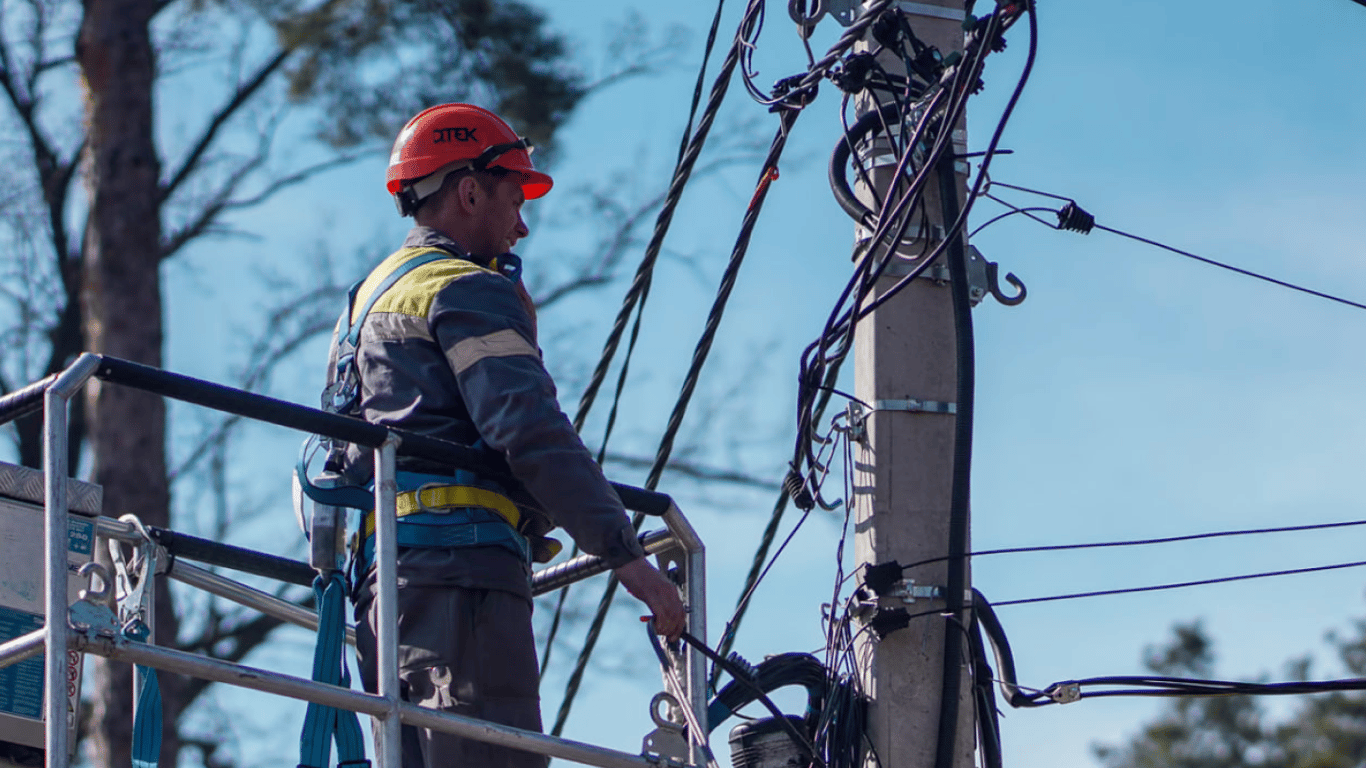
pixel 462 650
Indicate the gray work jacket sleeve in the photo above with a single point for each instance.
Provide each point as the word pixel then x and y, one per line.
pixel 487 337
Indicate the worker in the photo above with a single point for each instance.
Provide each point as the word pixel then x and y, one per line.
pixel 447 348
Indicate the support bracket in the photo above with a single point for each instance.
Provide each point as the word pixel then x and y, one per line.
pixel 983 277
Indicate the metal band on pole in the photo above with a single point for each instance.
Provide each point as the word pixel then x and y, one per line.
pixel 933 11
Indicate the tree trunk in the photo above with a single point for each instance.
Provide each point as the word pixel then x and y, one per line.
pixel 121 301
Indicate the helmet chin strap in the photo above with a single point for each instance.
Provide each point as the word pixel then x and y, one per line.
pixel 412 195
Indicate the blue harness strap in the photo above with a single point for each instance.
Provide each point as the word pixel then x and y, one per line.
pixel 147 720
pixel 343 393
pixel 356 319
pixel 323 725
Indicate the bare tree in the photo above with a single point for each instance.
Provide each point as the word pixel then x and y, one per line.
pixel 86 260
pixel 96 282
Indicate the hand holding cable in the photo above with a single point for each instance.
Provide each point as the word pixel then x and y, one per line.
pixel 654 589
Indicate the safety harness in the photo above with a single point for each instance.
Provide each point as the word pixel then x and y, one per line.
pixel 450 510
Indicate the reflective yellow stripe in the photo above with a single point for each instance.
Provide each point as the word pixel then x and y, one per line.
pixel 438 497
pixel 504 343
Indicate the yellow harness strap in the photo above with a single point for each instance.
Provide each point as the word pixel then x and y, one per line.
pixel 434 498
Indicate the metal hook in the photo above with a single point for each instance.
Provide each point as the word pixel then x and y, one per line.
pixel 664 699
pixel 994 285
pixel 93 572
pixel 807 20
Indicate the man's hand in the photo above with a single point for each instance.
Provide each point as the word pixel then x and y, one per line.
pixel 656 591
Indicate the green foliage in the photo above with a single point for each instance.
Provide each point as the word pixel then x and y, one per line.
pixel 372 64
pixel 1323 731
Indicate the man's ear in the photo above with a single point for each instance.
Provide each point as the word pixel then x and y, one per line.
pixel 469 194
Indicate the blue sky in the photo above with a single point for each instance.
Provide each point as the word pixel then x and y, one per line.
pixel 1134 394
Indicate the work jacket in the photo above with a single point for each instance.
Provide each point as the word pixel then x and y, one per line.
pixel 449 351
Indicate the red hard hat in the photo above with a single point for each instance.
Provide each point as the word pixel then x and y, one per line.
pixel 450 133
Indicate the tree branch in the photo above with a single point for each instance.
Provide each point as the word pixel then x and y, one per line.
pixel 697 471
pixel 245 638
pixel 222 200
pixel 220 118
pixel 309 320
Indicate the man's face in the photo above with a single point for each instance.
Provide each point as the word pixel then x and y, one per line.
pixel 501 224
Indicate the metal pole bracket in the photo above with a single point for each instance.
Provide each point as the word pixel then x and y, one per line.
pixel 983 277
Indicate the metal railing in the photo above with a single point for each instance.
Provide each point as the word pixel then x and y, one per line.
pixel 679 545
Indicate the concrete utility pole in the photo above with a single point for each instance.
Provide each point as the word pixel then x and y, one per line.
pixel 906 369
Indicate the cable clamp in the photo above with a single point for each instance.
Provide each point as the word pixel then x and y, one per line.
pixel 978 282
pixel 1065 693
pixel 909 592
pixel 858 414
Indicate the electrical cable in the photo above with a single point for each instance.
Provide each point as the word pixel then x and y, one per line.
pixel 690 148
pixel 743 677
pixel 965 72
pixel 1072 217
pixel 700 354
pixel 817 352
pixel 982 176
pixel 1015 212
pixel 1231 268
pixel 701 80
pixel 1071 690
pixel 1144 542
pixel 984 700
pixel 1180 585
pixel 1143 685
pixel 787 117
pixel 961 488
